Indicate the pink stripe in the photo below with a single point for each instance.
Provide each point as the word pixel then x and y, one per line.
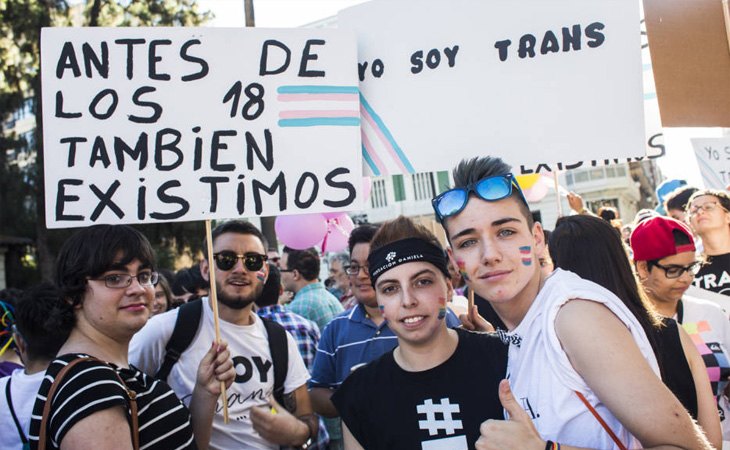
pixel 318 97
pixel 383 139
pixel 305 114
pixel 374 156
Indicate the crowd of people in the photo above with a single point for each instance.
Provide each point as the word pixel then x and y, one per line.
pixel 585 336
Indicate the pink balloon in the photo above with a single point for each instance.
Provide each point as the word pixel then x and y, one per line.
pixel 333 215
pixel 336 240
pixel 344 222
pixel 300 231
pixel 537 192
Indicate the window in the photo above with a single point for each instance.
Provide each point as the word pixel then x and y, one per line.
pixel 581 177
pixel 378 197
pixel 597 173
pixel 398 188
pixel 423 185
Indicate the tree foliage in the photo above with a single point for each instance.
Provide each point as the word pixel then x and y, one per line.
pixel 21 185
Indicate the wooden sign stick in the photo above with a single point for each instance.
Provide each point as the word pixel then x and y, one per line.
pixel 214 305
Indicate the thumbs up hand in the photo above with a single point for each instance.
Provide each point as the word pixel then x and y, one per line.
pixel 518 432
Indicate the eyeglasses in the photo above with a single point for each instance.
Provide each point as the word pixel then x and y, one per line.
pixel 252 261
pixel 706 207
pixel 491 189
pixel 354 269
pixel 678 271
pixel 124 280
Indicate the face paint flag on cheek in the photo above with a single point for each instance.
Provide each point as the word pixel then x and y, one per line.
pixel 526 255
pixel 382 311
pixel 442 309
pixel 462 269
pixel 261 276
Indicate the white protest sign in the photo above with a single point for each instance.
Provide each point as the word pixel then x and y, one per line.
pixel 713 157
pixel 530 81
pixel 172 124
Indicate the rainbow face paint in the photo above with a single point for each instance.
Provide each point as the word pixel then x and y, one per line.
pixel 525 253
pixel 261 276
pixel 442 309
pixel 462 269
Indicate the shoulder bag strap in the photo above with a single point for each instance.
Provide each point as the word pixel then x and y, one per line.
pixel 186 325
pixel 600 420
pixel 21 434
pixel 52 391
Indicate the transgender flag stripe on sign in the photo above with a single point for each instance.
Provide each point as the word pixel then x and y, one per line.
pixel 335 106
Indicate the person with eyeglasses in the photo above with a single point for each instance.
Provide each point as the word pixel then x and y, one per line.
pixel 91 396
pixel 576 352
pixel 257 421
pixel 708 213
pixel 665 259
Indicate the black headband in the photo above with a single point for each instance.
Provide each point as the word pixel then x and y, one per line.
pixel 405 251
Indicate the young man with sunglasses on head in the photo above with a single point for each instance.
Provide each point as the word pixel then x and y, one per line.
pixel 573 350
pixel 256 420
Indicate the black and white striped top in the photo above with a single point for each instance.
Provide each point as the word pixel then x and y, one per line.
pixel 91 386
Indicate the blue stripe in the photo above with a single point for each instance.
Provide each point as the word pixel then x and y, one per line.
pixel 317 90
pixel 321 121
pixel 646 67
pixel 650 96
pixel 370 162
pixel 387 134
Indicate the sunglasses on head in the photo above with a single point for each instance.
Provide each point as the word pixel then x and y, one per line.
pixel 226 260
pixel 491 189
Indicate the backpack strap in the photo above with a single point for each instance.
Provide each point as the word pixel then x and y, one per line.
pixel 186 325
pixel 600 420
pixel 9 399
pixel 279 356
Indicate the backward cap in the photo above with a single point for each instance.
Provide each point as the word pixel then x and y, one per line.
pixel 654 239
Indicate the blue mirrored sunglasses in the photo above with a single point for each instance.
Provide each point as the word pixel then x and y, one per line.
pixel 491 189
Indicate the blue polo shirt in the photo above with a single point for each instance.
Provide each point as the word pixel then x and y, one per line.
pixel 351 339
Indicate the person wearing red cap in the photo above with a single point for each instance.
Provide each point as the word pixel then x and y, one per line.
pixel 664 254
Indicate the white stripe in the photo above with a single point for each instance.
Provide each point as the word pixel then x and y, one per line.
pixel 85 388
pixel 90 369
pixel 364 342
pixel 89 405
pixel 164 436
pixel 141 411
pixel 161 416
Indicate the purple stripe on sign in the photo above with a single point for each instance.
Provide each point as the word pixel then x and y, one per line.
pixel 318 97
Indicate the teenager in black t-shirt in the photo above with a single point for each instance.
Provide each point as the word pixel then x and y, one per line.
pixel 435 389
pixel 708 212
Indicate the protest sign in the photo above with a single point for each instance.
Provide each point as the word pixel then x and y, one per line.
pixel 177 124
pixel 713 158
pixel 530 81
pixel 689 50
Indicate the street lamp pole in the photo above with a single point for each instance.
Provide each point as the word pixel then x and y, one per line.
pixel 248 12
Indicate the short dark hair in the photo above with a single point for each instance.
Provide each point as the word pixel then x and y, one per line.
pixel 361 235
pixel 678 198
pixel 234 226
pixel 91 251
pixel 469 171
pixel 306 262
pixel 44 321
pixel 189 281
pixel 402 228
pixel 270 294
pixel 592 248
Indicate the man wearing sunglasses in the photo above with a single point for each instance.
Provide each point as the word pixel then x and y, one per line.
pixel 565 334
pixel 256 420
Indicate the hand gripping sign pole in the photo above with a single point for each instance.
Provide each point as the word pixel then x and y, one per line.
pixel 214 305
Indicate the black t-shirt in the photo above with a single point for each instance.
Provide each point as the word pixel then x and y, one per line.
pixel 91 386
pixel 676 373
pixel 386 407
pixel 714 275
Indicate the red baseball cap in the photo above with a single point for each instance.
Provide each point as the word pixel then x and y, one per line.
pixel 654 239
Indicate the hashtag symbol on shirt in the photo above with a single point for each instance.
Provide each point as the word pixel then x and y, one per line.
pixel 445 409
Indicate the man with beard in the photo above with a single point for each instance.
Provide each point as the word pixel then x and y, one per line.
pixel 258 422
